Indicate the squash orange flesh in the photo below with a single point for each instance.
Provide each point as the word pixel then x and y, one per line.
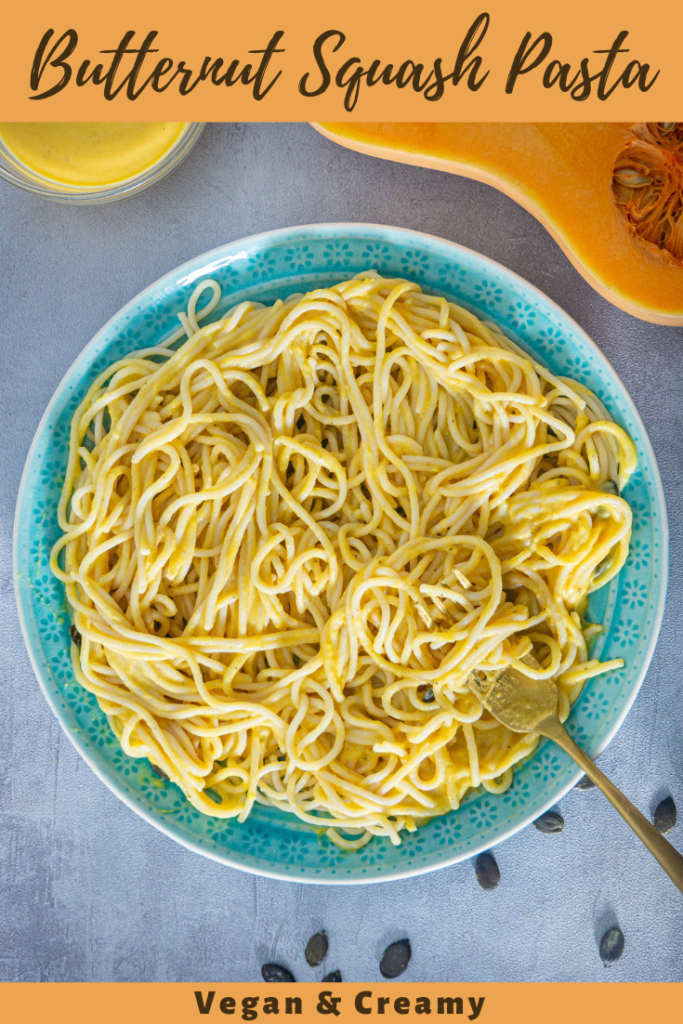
pixel 562 174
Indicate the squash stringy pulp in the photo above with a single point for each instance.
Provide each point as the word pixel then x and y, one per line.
pixel 648 188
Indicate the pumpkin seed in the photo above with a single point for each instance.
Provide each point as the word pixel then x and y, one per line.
pixel 665 815
pixel 585 783
pixel 550 823
pixel 487 870
pixel 611 946
pixel 602 567
pixel 316 949
pixel 631 178
pixel 428 695
pixel 395 958
pixel 75 636
pixel 333 976
pixel 157 771
pixel 274 972
pixel 610 487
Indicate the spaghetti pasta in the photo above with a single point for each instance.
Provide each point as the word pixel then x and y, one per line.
pixel 288 541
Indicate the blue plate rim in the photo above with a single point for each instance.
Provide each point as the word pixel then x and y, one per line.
pixel 174 276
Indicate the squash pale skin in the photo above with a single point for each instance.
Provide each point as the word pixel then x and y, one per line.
pixel 562 174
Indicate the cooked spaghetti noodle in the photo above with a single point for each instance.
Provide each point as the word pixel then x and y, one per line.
pixel 289 540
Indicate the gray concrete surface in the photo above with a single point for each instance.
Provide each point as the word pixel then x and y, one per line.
pixel 89 891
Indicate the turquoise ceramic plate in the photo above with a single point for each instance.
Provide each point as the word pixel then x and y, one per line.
pixel 274 265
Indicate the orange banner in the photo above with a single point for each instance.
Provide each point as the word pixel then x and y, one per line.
pixel 69 1003
pixel 487 60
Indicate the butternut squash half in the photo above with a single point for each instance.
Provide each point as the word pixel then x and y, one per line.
pixel 610 194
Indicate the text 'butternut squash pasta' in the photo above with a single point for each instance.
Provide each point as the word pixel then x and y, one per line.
pixel 289 541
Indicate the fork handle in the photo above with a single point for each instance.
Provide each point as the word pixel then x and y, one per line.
pixel 660 848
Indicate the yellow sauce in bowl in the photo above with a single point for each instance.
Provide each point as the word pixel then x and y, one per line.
pixel 89 154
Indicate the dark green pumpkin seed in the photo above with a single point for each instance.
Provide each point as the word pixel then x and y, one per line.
pixel 333 976
pixel 75 636
pixel 665 815
pixel 611 946
pixel 585 783
pixel 428 695
pixel 603 566
pixel 550 823
pixel 610 487
pixel 274 972
pixel 395 958
pixel 316 949
pixel 157 771
pixel 488 872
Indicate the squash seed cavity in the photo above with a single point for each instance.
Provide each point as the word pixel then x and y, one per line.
pixel 648 187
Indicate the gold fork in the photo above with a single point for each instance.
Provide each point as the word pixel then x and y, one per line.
pixel 524 704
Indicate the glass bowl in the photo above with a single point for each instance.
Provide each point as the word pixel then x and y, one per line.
pixel 18 173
